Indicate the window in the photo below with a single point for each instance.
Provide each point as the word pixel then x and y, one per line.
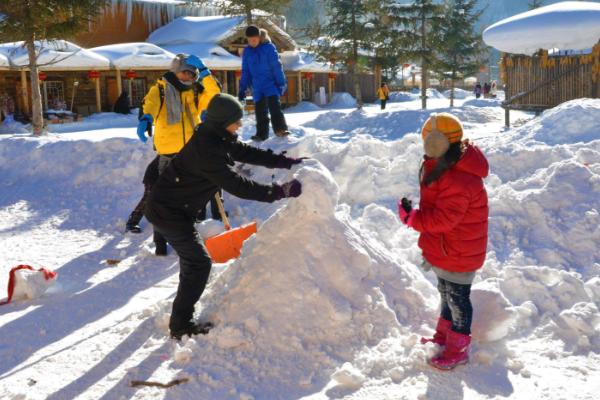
pixel 56 95
pixel 306 89
pixel 138 91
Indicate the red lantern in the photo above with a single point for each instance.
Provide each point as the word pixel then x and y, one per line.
pixel 331 75
pixel 482 69
pixel 130 74
pixel 406 65
pixel 42 76
pixel 238 74
pixel 93 74
pixel 308 75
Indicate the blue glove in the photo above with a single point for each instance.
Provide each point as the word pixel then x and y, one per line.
pixel 197 62
pixel 145 125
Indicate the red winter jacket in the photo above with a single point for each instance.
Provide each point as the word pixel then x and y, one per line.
pixel 453 215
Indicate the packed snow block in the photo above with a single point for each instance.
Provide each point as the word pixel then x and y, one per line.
pixel 493 314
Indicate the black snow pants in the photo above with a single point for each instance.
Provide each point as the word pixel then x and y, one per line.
pixel 456 305
pixel 266 105
pixel 194 269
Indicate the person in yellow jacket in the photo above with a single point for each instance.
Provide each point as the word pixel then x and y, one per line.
pixel 174 106
pixel 384 95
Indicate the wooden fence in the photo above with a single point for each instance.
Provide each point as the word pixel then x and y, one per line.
pixel 540 82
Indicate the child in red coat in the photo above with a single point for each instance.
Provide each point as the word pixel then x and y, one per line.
pixel 453 221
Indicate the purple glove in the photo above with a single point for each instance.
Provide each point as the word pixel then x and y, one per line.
pixel 406 212
pixel 288 162
pixel 292 188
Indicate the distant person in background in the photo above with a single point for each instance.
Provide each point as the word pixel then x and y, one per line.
pixel 122 104
pixel 7 108
pixel 262 71
pixel 494 90
pixel 174 106
pixel 486 90
pixel 477 90
pixel 384 95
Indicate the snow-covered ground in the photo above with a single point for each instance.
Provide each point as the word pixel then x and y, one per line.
pixel 327 300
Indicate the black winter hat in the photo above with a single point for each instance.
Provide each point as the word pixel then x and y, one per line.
pixel 252 31
pixel 223 110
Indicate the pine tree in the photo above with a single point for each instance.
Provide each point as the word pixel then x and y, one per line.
pixel 345 33
pixel 462 50
pixel 412 26
pixel 533 4
pixel 245 7
pixel 43 20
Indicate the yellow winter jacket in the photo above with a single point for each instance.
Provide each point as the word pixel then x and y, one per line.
pixel 383 93
pixel 170 139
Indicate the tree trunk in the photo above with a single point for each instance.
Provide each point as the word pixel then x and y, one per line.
pixel 424 66
pixel 248 7
pixel 355 81
pixel 37 117
pixel 452 78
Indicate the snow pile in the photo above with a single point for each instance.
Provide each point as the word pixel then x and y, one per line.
pixel 342 100
pixel 482 102
pixel 398 97
pixel 567 25
pixel 571 122
pixel 293 318
pixel 459 93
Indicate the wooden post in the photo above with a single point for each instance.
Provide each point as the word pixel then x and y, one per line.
pixel 507 117
pixel 98 98
pixel 45 92
pixel 225 83
pixel 130 85
pixel 24 92
pixel 330 89
pixel 300 87
pixel 119 82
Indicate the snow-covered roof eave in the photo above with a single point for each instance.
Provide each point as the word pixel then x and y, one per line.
pixel 137 55
pixel 565 26
pixel 56 55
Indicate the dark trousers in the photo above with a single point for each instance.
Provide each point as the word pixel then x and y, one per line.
pixel 383 103
pixel 265 106
pixel 194 270
pixel 456 305
pixel 138 212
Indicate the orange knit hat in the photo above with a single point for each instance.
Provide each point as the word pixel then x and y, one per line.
pixel 439 132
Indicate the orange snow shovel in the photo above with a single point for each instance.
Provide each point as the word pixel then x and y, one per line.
pixel 228 245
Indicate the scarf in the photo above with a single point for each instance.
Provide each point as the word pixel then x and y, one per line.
pixel 173 88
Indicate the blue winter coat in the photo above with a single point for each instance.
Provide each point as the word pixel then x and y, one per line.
pixel 262 71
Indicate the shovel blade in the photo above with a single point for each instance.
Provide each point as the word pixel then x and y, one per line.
pixel 228 245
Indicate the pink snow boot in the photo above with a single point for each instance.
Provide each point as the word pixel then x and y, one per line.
pixel 456 351
pixel 441 330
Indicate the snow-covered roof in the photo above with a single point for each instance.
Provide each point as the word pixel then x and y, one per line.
pixel 304 62
pixel 213 55
pixel 212 29
pixel 54 55
pixel 4 63
pixel 136 55
pixel 196 30
pixel 569 25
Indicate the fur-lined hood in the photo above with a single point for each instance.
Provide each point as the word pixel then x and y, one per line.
pixel 264 36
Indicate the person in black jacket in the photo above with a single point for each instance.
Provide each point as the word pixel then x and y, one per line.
pixel 189 182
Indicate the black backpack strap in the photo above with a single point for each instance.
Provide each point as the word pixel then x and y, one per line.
pixel 161 94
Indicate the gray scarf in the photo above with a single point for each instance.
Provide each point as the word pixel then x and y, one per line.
pixel 173 103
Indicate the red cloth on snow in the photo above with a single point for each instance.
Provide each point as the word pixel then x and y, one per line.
pixel 453 214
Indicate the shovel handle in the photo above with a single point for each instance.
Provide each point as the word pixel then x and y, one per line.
pixel 222 211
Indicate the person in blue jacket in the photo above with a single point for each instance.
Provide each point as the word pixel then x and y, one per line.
pixel 262 71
